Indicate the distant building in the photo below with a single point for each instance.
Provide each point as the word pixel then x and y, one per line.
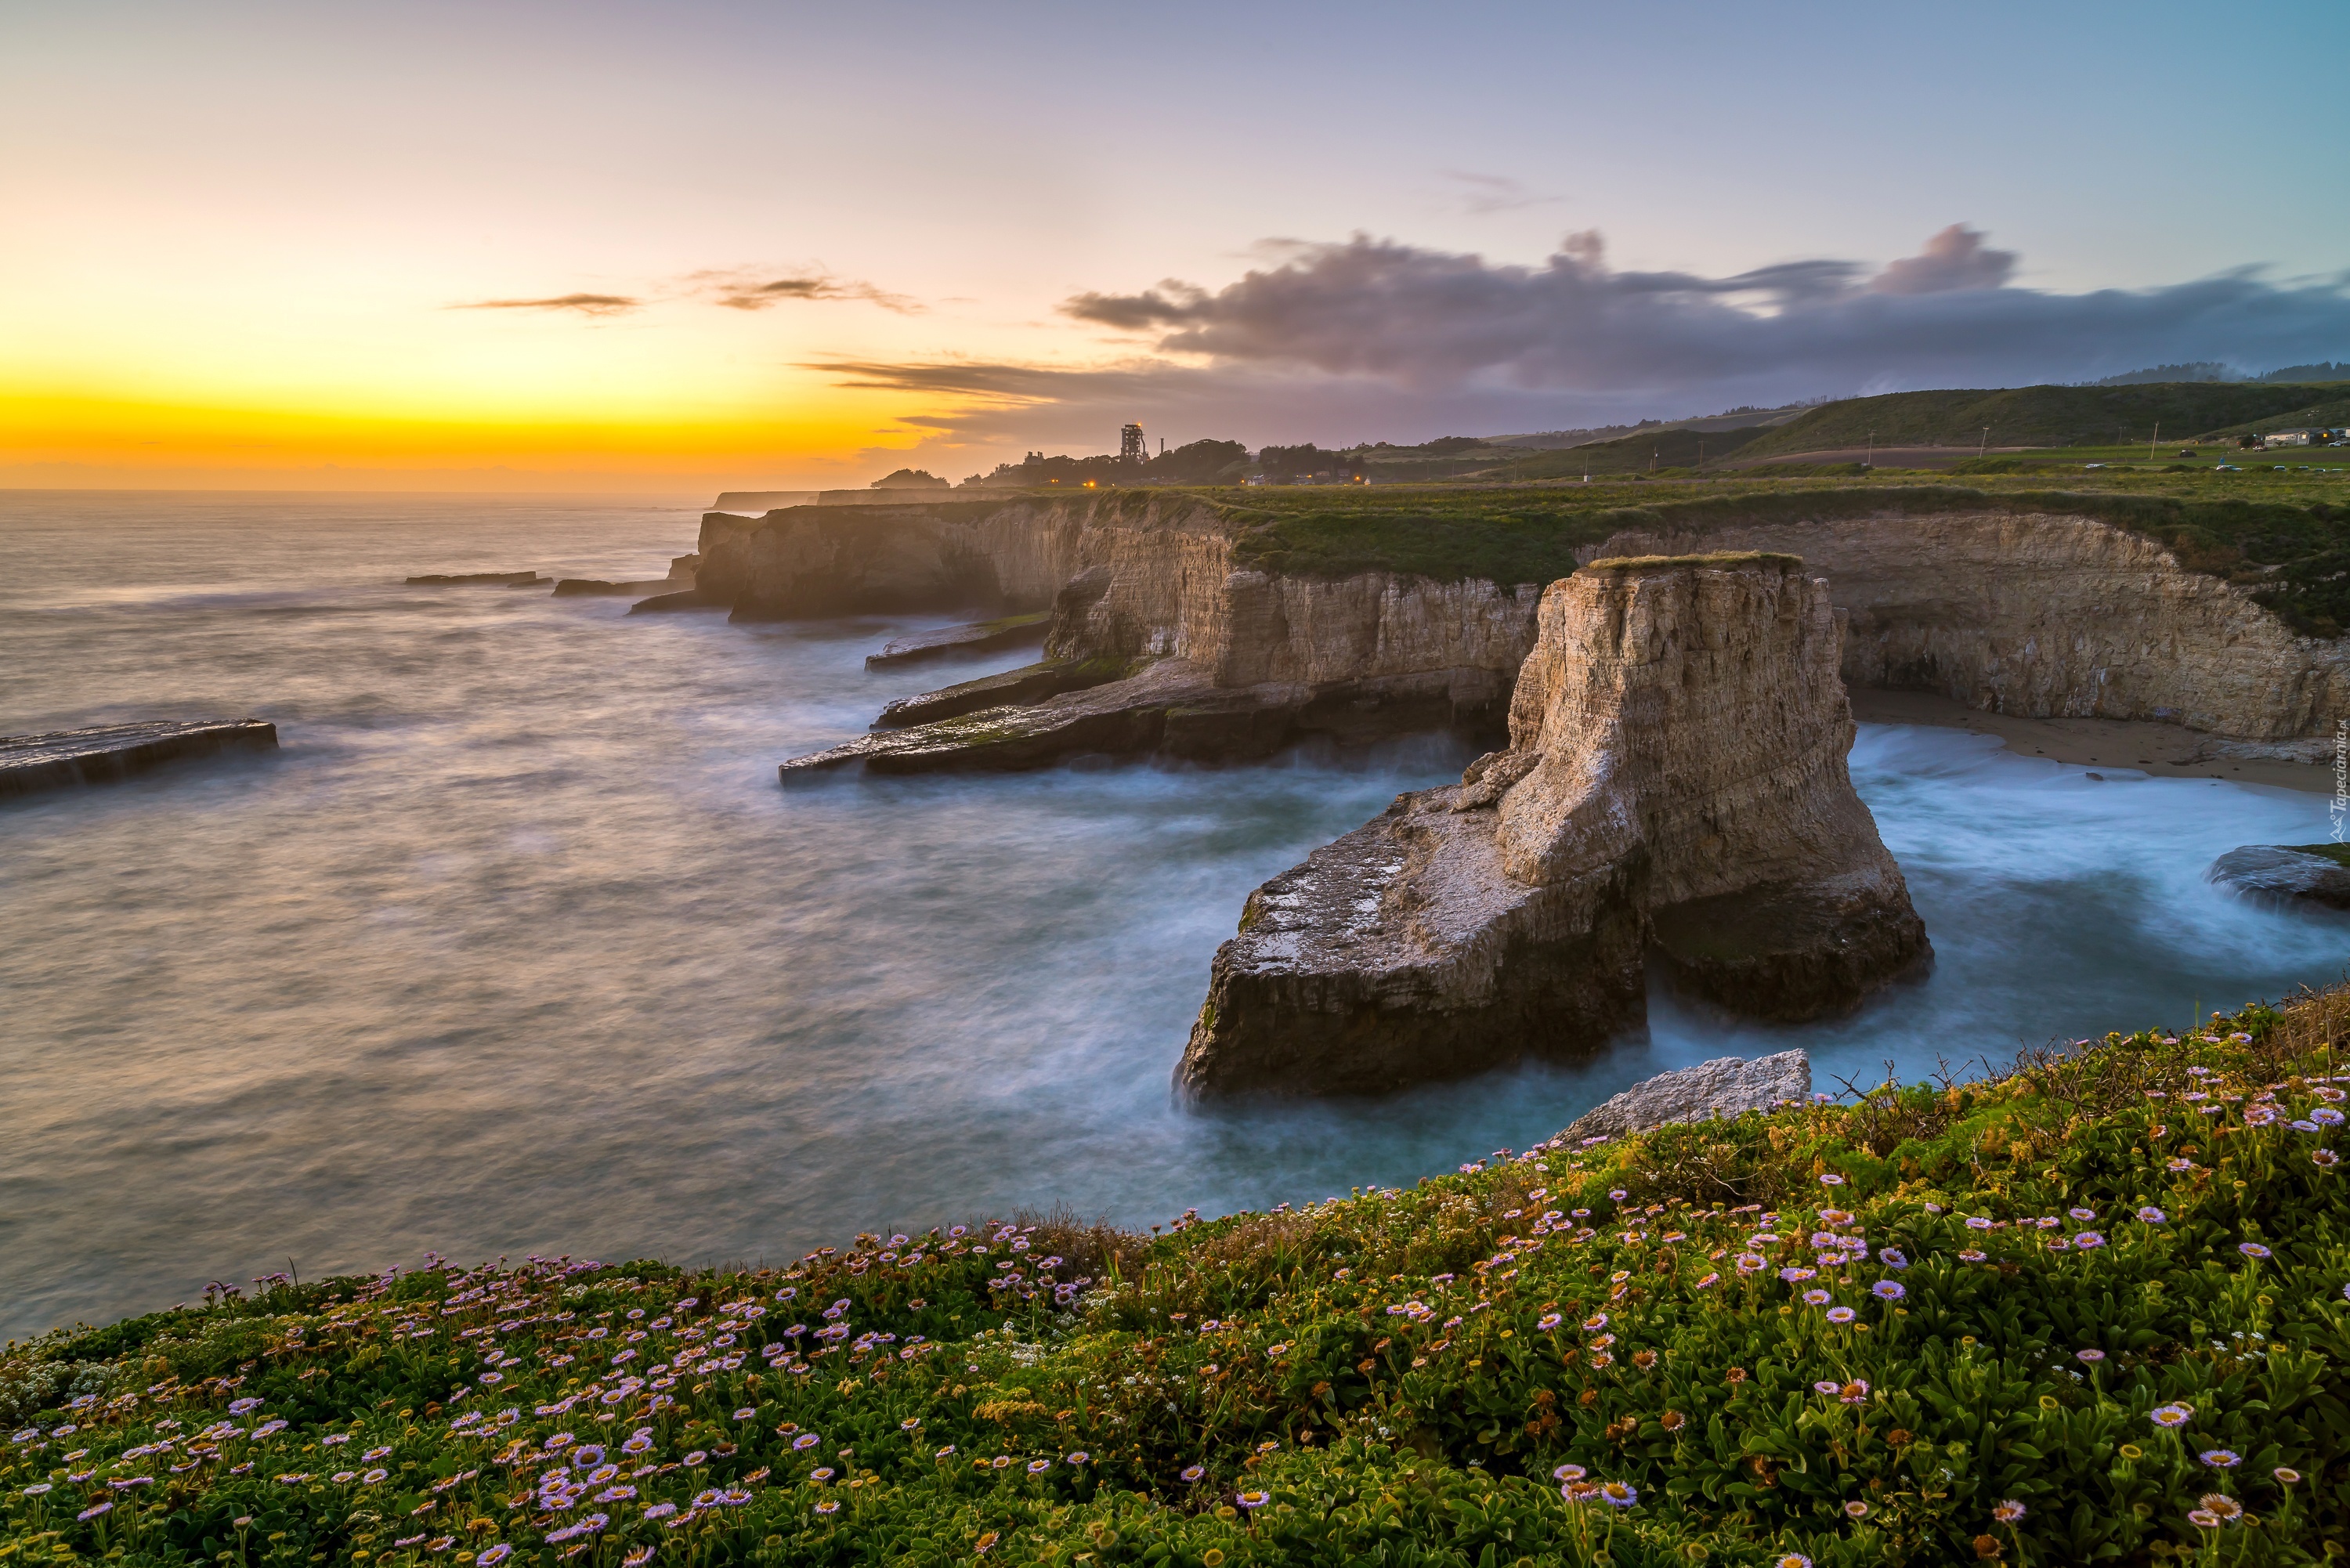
pixel 2290 438
pixel 1133 450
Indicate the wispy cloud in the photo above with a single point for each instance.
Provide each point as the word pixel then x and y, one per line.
pixel 751 290
pixel 1496 193
pixel 580 304
pixel 736 288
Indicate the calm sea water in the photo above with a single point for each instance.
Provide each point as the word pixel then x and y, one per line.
pixel 517 945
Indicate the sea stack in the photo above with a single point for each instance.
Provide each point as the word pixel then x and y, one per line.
pixel 1675 787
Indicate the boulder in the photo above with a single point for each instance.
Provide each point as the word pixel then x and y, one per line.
pixel 2308 875
pixel 64 758
pixel 1725 1086
pixel 1675 787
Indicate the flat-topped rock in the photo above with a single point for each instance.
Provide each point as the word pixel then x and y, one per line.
pixel 1725 1086
pixel 979 637
pixel 1675 787
pixel 1031 683
pixel 487 579
pixel 61 760
pixel 2308 875
pixel 1170 706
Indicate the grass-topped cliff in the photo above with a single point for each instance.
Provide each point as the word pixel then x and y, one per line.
pixel 2293 554
pixel 2093 1310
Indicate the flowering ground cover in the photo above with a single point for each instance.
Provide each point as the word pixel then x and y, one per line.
pixel 2096 1309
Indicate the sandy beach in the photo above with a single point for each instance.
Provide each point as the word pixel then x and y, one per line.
pixel 2164 750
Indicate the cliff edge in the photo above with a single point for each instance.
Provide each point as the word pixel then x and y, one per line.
pixel 1675 786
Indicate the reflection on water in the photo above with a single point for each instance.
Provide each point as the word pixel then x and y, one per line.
pixel 516 946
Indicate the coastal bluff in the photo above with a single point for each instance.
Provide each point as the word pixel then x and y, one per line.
pixel 1674 789
pixel 1219 625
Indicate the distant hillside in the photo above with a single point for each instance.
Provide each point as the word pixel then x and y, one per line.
pixel 2040 416
pixel 2331 412
pixel 1676 446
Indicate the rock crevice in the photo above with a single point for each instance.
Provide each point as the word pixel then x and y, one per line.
pixel 1675 786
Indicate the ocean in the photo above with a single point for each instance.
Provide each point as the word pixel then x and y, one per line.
pixel 517 946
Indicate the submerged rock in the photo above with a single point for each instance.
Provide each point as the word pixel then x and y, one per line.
pixel 491 579
pixel 1675 786
pixel 1725 1086
pixel 67 757
pixel 575 587
pixel 980 637
pixel 683 599
pixel 2306 875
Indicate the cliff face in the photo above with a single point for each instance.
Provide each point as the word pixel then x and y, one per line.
pixel 807 561
pixel 1156 641
pixel 2033 614
pixel 1675 780
pixel 2044 615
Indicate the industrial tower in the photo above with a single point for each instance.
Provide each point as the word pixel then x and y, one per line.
pixel 1132 450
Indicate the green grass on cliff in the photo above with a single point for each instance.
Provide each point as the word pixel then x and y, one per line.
pixel 2293 554
pixel 2091 1311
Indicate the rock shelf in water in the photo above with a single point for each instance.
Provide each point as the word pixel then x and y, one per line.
pixel 2308 875
pixel 61 760
pixel 596 588
pixel 980 637
pixel 487 579
pixel 1675 786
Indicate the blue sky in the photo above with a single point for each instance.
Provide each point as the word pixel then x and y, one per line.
pixel 276 208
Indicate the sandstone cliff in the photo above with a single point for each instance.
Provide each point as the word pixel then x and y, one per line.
pixel 2032 613
pixel 1158 640
pixel 2046 615
pixel 1675 782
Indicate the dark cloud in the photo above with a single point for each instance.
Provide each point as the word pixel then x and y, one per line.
pixel 749 291
pixel 1443 323
pixel 585 304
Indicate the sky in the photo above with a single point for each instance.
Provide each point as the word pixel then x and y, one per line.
pixel 659 249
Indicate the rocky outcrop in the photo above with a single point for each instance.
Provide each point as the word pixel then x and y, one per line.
pixel 2031 613
pixel 1674 784
pixel 2308 875
pixel 1725 1086
pixel 1157 638
pixel 2045 615
pixel 62 759
pixel 894 557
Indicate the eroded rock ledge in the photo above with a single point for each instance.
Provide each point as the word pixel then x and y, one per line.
pixel 1675 786
pixel 64 758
